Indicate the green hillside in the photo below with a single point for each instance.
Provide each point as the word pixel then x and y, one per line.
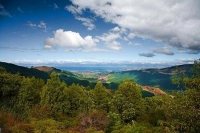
pixel 24 71
pixel 161 78
pixel 30 105
pixel 70 78
pixel 43 72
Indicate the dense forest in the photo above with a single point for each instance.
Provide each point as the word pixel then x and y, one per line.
pixel 32 105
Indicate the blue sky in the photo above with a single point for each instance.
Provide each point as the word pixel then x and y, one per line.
pixel 107 31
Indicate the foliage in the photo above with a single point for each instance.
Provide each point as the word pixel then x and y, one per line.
pixel 28 95
pixel 100 97
pixel 47 126
pixel 127 101
pixel 184 109
pixel 9 124
pixel 28 104
pixel 96 119
pixel 24 71
pixel 152 77
pixel 78 100
pixel 54 95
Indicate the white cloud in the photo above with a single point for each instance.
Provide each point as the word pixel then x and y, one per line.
pixel 93 62
pixel 119 30
pixel 86 22
pixel 135 44
pixel 40 25
pixel 185 60
pixel 70 39
pixel 125 38
pixel 47 46
pixel 131 35
pixel 110 40
pixel 165 50
pixel 108 37
pixel 114 45
pixel 116 29
pixel 174 22
pixel 74 9
pixel 3 11
pixel 30 24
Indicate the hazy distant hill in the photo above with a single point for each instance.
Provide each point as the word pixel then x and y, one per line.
pixel 46 69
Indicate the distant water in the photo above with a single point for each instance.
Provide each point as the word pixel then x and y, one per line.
pixel 99 67
pixel 91 68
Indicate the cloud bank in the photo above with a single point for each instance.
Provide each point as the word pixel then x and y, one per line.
pixel 102 63
pixel 172 22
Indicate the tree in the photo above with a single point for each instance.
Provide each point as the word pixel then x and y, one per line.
pixel 154 109
pixel 9 87
pixel 79 100
pixel 183 112
pixel 100 97
pixel 54 94
pixel 127 101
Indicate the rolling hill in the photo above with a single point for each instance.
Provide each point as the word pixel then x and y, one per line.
pixel 24 71
pixel 161 78
pixel 147 78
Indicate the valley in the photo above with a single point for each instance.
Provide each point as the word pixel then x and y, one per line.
pixel 68 101
pixel 154 81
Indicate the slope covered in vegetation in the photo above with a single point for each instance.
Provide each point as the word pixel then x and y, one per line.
pixel 24 71
pixel 161 78
pixel 30 105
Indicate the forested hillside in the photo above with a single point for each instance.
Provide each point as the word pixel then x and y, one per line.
pixel 24 71
pixel 158 78
pixel 30 105
pixel 161 78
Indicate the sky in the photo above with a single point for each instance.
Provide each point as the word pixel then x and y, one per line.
pixel 99 31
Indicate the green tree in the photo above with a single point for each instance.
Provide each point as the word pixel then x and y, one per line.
pixel 79 100
pixel 54 94
pixel 30 91
pixel 9 87
pixel 127 101
pixel 100 97
pixel 154 110
pixel 183 111
pixel 28 95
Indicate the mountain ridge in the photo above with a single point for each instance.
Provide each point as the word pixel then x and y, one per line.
pixel 24 71
pixel 157 78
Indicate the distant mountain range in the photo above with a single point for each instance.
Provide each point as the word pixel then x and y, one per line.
pixel 158 78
